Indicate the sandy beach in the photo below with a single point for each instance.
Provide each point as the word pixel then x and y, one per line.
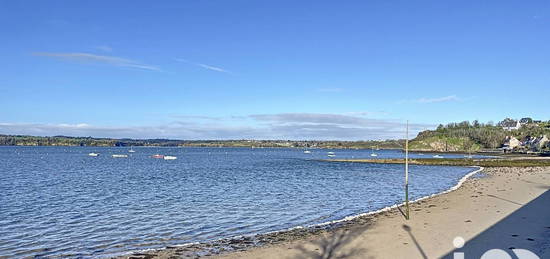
pixel 507 209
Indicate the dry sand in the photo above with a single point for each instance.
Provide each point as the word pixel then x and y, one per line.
pixel 508 209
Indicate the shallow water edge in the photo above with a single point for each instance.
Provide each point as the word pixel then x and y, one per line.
pixel 246 242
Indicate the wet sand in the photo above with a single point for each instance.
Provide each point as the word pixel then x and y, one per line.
pixel 508 209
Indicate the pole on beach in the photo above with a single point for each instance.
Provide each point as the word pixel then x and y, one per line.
pixel 407 215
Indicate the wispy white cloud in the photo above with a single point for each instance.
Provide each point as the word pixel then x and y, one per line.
pixel 299 126
pixel 367 113
pixel 98 59
pixel 104 48
pixel 205 66
pixel 176 130
pixel 213 68
pixel 450 98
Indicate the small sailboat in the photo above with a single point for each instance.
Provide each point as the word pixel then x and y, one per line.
pixel 373 154
pixel 307 152
pixel 119 156
pixel 131 150
pixel 93 154
pixel 170 157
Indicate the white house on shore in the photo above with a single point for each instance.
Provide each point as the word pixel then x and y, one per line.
pixel 510 125
pixel 539 143
pixel 510 143
pixel 529 143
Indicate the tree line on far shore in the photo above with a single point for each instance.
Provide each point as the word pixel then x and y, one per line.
pixel 472 136
pixel 463 136
pixel 22 140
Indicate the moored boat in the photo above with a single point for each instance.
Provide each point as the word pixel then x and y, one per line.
pixel 373 154
pixel 170 157
pixel 119 156
pixel 93 154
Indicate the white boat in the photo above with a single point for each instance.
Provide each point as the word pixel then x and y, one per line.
pixel 93 154
pixel 131 150
pixel 437 156
pixel 373 154
pixel 331 155
pixel 170 157
pixel 119 156
pixel 307 152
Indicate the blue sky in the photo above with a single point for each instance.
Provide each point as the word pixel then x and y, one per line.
pixel 269 69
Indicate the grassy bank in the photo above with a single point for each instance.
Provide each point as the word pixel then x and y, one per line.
pixel 519 162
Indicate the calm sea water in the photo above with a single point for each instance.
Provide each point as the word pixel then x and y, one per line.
pixel 58 201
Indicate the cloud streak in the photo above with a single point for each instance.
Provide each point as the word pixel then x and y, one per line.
pixel 295 126
pixel 104 48
pixel 334 126
pixel 213 68
pixel 176 130
pixel 88 58
pixel 205 66
pixel 450 98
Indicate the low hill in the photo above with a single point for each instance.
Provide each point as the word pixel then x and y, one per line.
pixel 471 137
pixel 444 144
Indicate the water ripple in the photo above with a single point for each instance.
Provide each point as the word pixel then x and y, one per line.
pixel 58 201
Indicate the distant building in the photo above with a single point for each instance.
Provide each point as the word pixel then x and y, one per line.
pixel 539 143
pixel 509 124
pixel 510 143
pixel 525 121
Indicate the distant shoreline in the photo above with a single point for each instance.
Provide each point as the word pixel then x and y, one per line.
pixel 221 146
pixel 20 140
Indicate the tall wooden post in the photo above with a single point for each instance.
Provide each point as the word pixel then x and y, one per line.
pixel 407 213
